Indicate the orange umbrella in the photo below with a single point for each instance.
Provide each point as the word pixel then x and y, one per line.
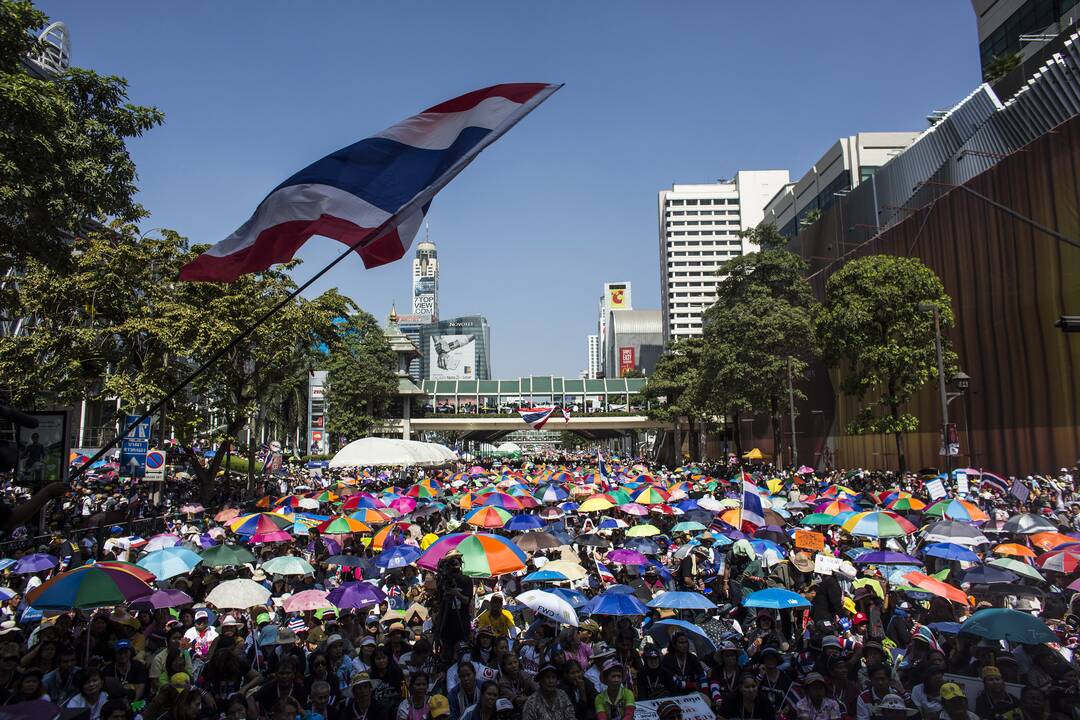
pixel 1050 540
pixel 1014 549
pixel 936 587
pixel 227 514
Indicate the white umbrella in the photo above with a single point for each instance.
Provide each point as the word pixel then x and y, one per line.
pixel 1028 524
pixel 572 570
pixel 710 503
pixel 239 594
pixel 550 606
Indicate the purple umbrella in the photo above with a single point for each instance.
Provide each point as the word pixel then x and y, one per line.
pixel 622 556
pixel 886 557
pixel 30 710
pixel 356 595
pixel 162 599
pixel 34 563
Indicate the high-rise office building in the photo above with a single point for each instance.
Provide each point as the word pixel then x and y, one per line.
pixel 617 296
pixel 425 280
pixel 456 349
pixel 593 367
pixel 699 232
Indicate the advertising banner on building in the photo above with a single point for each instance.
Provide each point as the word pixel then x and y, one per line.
pixel 424 296
pixel 626 360
pixel 618 297
pixel 452 357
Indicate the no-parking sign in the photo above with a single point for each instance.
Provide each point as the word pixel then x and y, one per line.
pixel 155 466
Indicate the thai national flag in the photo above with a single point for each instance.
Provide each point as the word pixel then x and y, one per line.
pixel 753 515
pixel 566 414
pixel 385 182
pixel 990 481
pixel 604 573
pixel 536 417
pixel 601 466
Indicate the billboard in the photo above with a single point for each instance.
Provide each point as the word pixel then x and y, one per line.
pixel 452 357
pixel 626 360
pixel 618 297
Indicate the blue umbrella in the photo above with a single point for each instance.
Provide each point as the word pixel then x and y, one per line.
pixel 896 573
pixel 576 598
pixel 681 600
pixel 988 575
pixel 398 556
pixel 662 631
pixel 950 551
pixel 949 628
pixel 169 562
pixel 616 604
pixel 776 599
pixel 620 590
pixel 520 523
pixel 687 505
pixel 1011 625
pixel 644 545
pixel 545 576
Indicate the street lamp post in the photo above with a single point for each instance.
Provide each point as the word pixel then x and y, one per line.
pixel 963 381
pixel 931 307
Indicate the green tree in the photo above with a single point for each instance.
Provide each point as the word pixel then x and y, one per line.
pixel 360 384
pixel 872 329
pixel 674 391
pixel 760 328
pixel 64 164
pixel 1001 65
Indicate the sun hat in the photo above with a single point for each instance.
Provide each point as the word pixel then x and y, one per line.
pixel 438 706
pixel 360 678
pixel 892 701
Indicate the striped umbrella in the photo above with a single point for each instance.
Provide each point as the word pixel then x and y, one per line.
pixel 551 493
pixel 362 501
pixel 482 555
pixel 1065 560
pixel 878 524
pixel 488 517
pixel 342 525
pixel 500 500
pixel 370 516
pixel 89 586
pixel 651 495
pixel 957 509
pixel 833 507
pixel 906 504
pixel 259 522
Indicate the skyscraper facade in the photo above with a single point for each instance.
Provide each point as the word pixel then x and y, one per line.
pixel 425 280
pixel 617 296
pixel 593 367
pixel 699 232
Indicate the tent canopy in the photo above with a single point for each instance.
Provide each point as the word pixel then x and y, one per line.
pixel 387 452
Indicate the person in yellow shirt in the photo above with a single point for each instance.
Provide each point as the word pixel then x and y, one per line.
pixel 496 618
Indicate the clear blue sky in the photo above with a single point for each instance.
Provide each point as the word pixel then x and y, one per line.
pixel 656 93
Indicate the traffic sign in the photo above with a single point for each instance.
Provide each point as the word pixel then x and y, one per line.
pixel 154 466
pixel 134 446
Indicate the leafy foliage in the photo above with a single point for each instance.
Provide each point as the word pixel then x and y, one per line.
pixel 873 330
pixel 63 158
pixel 361 385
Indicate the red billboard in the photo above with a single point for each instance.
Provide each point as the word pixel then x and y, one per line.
pixel 626 360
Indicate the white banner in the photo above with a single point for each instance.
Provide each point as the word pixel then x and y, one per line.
pixel 935 488
pixel 693 707
pixel 962 487
pixel 826 564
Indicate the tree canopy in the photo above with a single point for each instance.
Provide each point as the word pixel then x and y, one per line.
pixel 360 384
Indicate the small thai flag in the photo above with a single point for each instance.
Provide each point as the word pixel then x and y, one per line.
pixel 566 414
pixel 297 625
pixel 604 573
pixel 990 481
pixel 753 515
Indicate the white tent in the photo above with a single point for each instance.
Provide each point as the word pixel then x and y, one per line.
pixel 509 447
pixel 387 452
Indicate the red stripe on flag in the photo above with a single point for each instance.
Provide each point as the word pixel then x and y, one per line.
pixel 514 92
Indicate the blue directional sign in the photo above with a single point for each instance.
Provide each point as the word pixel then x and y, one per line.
pixel 134 446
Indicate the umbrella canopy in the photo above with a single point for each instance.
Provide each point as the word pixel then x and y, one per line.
pixel 545 576
pixel 662 631
pixel 1065 560
pixel 1015 549
pixel 89 586
pixel 164 540
pixel 681 600
pixel 616 603
pixel 878 524
pixel 355 596
pixel 643 531
pixel 483 555
pixel 288 565
pixel 987 575
pixel 238 594
pixel 776 599
pixel 388 452
pixel 1028 524
pixel 952 531
pixel 226 556
pixel 142 573
pixel 259 523
pixel 488 516
pixel 818 519
pixel 936 587
pixel 886 557
pixel 576 598
pixel 343 525
pixel 572 570
pixel 169 562
pixel 549 605
pixel 535 541
pixel 1050 540
pixel 521 523
pixel 35 562
pixel 1011 625
pixel 307 600
pixel 950 551
pixel 623 556
pixel 162 600
pixel 1019 568
pixel 398 556
pixel 595 504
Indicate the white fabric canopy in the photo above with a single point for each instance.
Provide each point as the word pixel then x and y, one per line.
pixel 387 452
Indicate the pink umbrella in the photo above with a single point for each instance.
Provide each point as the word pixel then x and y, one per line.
pixel 635 509
pixel 162 541
pixel 275 536
pixel 308 600
pixel 403 505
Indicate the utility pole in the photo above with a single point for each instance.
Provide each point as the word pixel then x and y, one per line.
pixel 941 384
pixel 791 413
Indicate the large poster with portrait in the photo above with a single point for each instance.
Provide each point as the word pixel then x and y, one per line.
pixel 452 357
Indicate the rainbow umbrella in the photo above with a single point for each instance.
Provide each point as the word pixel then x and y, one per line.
pixel 89 586
pixel 142 573
pixel 833 507
pixel 342 525
pixel 906 504
pixel 500 500
pixel 422 491
pixel 370 516
pixel 620 497
pixel 487 516
pixel 259 522
pixel 651 495
pixel 389 536
pixel 483 555
pixel 957 509
pixel 324 497
pixel 878 524
pixel 363 501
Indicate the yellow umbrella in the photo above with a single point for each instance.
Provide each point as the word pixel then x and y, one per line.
pixel 571 570
pixel 426 541
pixel 641 531
pixel 754 454
pixel 595 504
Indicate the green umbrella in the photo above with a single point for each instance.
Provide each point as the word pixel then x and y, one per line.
pixel 226 556
pixel 1020 568
pixel 288 565
pixel 818 519
pixel 689 526
pixel 1011 625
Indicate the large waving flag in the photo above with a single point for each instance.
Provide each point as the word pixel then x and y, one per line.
pixel 374 192
pixel 753 514
pixel 536 417
pixel 991 481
